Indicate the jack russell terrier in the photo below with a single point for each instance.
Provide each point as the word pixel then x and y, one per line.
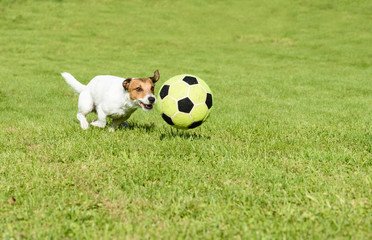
pixel 113 97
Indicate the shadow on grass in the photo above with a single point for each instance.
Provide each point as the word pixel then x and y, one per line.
pixel 176 133
pixel 170 133
pixel 147 127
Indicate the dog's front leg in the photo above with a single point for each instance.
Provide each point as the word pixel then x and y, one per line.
pixel 101 121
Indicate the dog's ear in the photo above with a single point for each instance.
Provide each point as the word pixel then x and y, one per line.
pixel 156 76
pixel 126 83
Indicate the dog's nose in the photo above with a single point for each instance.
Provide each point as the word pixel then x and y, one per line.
pixel 151 99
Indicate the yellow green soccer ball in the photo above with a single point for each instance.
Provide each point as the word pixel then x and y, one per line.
pixel 185 101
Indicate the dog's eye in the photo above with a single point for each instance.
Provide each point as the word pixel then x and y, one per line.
pixel 152 88
pixel 139 89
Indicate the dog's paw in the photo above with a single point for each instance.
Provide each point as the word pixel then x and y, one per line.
pixel 84 125
pixel 83 121
pixel 98 124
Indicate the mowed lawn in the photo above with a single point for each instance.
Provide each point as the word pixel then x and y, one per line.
pixel 285 154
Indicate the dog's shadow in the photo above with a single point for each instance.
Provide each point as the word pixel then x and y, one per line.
pixel 147 127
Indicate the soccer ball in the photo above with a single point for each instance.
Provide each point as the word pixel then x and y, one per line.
pixel 185 101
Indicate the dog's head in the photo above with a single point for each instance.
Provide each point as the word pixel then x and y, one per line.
pixel 141 90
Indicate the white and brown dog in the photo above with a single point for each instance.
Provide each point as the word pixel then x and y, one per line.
pixel 113 97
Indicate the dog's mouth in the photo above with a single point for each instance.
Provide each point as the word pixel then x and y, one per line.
pixel 146 107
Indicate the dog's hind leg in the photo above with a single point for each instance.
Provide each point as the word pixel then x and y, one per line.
pixel 83 121
pixel 85 106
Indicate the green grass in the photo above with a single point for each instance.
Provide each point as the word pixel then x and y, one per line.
pixel 286 153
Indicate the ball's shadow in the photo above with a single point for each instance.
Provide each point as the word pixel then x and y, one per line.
pixel 184 134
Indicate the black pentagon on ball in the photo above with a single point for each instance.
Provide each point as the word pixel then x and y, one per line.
pixel 185 105
pixel 208 100
pixel 167 119
pixel 190 80
pixel 195 124
pixel 164 91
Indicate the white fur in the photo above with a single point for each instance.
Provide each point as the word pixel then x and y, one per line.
pixel 107 97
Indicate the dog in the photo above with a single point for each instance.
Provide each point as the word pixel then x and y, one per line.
pixel 113 97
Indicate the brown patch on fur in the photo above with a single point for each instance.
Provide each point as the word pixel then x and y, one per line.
pixel 156 76
pixel 140 87
pixel 126 83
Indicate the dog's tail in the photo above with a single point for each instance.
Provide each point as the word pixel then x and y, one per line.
pixel 73 83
